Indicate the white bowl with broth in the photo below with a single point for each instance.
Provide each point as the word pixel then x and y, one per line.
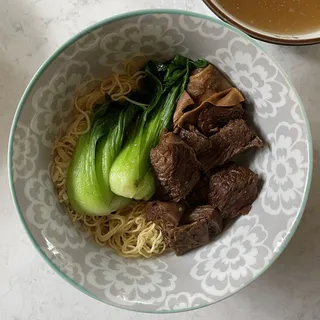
pixel 246 248
pixel 289 22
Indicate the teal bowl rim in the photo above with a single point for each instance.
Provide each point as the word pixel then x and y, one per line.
pixel 63 47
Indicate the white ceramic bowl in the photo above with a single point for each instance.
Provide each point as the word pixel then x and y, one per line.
pixel 247 248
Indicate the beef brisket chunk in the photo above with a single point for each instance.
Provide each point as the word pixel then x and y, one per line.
pixel 195 139
pixel 187 237
pixel 184 231
pixel 199 194
pixel 197 227
pixel 165 214
pixel 233 139
pixel 232 190
pixel 175 166
pixel 182 238
pixel 207 212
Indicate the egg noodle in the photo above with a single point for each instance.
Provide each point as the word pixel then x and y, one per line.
pixel 127 230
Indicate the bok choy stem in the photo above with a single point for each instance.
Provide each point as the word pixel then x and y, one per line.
pixel 88 175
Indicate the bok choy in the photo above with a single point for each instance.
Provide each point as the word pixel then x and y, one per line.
pixel 131 173
pixel 88 175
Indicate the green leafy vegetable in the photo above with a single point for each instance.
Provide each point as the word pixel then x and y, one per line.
pixel 88 175
pixel 131 174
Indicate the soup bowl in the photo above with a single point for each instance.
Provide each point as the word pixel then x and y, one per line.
pixel 246 248
pixel 303 38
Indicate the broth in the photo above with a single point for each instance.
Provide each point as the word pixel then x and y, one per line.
pixel 277 16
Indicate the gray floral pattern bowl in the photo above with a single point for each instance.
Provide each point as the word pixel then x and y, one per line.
pixel 247 248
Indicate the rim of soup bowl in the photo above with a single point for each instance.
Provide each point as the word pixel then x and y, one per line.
pixel 294 40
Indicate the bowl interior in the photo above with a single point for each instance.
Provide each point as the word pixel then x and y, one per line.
pixel 247 247
pixel 289 39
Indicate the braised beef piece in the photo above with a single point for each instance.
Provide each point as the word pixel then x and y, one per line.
pixel 187 237
pixel 197 228
pixel 207 212
pixel 232 190
pixel 175 166
pixel 165 214
pixel 181 239
pixel 215 111
pixel 233 139
pixel 195 139
pixel 215 116
pixel 199 194
pixel 205 83
pixel 184 231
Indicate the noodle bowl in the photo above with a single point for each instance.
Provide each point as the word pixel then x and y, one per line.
pixel 166 283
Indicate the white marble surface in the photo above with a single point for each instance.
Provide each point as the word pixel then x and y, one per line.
pixel 29 31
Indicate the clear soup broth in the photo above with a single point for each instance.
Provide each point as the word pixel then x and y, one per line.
pixel 277 16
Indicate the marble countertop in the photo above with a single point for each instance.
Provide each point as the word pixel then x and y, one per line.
pixel 29 289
